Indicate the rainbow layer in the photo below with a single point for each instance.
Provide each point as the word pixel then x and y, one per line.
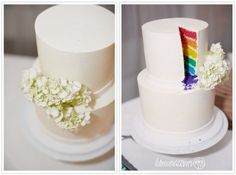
pixel 189 44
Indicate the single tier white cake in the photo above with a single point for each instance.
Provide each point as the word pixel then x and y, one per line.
pixel 72 83
pixel 177 87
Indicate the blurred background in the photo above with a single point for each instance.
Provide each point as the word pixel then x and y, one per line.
pixel 19 35
pixel 219 18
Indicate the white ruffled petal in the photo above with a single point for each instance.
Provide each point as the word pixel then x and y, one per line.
pixel 54 112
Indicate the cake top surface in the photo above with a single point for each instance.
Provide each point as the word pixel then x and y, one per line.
pixel 76 28
pixel 171 25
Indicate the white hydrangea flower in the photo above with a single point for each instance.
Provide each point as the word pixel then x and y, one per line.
pixel 64 82
pixel 217 50
pixel 76 85
pixel 214 69
pixel 55 91
pixel 67 102
pixel 63 94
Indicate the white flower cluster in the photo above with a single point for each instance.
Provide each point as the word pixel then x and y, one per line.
pixel 214 69
pixel 67 102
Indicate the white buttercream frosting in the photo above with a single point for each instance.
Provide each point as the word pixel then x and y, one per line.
pixel 172 109
pixel 77 42
pixel 76 28
pixel 73 75
pixel 166 105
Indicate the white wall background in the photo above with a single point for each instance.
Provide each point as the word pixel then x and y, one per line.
pixel 219 18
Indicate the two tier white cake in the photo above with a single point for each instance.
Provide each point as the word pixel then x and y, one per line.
pixel 177 87
pixel 72 81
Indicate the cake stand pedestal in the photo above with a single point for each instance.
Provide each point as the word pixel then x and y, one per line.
pixel 62 149
pixel 180 143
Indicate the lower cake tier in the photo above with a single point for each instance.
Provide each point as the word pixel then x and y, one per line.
pixel 170 110
pixel 102 121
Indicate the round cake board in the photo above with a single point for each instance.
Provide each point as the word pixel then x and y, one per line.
pixel 62 149
pixel 180 143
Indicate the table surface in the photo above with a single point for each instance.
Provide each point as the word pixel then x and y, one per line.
pixel 218 157
pixel 19 154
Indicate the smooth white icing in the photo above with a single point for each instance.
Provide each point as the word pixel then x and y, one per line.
pixel 76 28
pixel 166 105
pixel 164 85
pixel 76 42
pixel 163 48
pixel 174 110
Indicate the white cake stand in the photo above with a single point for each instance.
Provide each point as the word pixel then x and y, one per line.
pixel 62 149
pixel 184 143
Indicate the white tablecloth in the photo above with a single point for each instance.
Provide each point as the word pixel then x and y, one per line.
pixel 19 154
pixel 218 157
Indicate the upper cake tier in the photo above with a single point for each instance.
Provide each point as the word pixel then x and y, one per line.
pixel 174 47
pixel 76 42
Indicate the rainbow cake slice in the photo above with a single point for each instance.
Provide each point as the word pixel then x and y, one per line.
pixel 189 44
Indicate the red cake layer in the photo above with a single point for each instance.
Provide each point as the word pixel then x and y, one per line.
pixel 188 33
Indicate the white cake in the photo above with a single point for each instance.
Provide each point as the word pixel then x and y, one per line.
pixel 177 94
pixel 77 43
pixel 76 53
